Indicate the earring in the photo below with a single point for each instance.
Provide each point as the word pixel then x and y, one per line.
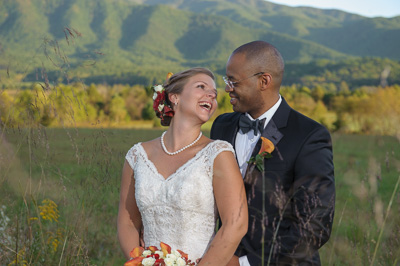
pixel 176 103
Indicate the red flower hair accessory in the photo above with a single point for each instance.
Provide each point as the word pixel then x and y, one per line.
pixel 160 105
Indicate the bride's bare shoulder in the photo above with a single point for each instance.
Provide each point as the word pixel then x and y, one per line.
pixel 151 144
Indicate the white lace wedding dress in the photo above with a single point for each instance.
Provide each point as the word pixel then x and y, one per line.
pixel 179 210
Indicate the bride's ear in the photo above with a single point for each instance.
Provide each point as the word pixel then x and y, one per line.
pixel 173 99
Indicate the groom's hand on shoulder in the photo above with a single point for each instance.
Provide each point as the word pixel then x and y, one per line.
pixel 234 261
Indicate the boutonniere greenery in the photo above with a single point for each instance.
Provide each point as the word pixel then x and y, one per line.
pixel 267 147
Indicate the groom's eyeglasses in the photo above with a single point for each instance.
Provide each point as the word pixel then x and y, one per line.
pixel 231 84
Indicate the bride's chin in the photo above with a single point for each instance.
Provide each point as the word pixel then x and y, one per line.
pixel 205 119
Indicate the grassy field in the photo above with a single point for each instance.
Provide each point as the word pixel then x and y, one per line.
pixel 60 189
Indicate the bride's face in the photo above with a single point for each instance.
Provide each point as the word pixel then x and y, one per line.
pixel 199 97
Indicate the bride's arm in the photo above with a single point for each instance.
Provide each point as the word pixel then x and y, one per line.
pixel 231 201
pixel 129 220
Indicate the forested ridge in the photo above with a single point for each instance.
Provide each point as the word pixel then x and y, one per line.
pixel 88 62
pixel 138 41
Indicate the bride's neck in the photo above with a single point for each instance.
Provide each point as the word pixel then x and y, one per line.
pixel 178 135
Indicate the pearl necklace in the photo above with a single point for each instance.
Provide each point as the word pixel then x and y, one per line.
pixel 178 151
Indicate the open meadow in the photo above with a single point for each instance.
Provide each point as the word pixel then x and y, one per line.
pixel 59 192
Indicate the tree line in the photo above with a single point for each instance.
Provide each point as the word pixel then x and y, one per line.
pixel 365 110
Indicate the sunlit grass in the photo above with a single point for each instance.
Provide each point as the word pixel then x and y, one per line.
pixel 79 170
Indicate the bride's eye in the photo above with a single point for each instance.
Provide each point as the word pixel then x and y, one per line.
pixel 201 86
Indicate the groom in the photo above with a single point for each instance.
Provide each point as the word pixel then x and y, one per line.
pixel 299 191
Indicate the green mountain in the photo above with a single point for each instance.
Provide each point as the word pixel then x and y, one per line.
pixel 138 41
pixel 343 32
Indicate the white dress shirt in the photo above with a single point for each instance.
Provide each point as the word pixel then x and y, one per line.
pixel 244 146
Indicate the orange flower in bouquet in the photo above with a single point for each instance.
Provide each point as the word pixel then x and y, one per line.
pixel 152 256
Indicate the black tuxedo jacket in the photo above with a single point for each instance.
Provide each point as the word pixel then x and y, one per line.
pixel 299 194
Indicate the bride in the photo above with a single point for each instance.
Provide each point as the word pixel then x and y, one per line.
pixel 177 185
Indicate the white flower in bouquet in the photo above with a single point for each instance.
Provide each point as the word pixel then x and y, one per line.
pixel 146 253
pixel 169 262
pixel 176 253
pixel 148 261
pixel 160 253
pixel 171 256
pixel 152 255
pixel 180 262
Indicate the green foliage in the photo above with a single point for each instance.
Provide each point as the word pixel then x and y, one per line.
pixel 118 112
pixel 345 75
pixel 366 110
pixel 148 112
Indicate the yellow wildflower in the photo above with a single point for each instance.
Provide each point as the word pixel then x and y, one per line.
pixel 49 210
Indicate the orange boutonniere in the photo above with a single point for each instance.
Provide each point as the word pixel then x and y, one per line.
pixel 267 147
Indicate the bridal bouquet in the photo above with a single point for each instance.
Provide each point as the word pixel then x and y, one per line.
pixel 152 256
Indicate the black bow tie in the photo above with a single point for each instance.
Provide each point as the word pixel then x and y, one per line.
pixel 245 124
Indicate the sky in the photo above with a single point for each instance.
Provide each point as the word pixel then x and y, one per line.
pixel 368 8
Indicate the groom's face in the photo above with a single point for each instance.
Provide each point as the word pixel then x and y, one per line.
pixel 245 95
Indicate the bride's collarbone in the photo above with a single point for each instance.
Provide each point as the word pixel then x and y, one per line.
pixel 169 164
pixel 162 158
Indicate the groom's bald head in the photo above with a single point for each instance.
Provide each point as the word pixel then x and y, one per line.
pixel 263 57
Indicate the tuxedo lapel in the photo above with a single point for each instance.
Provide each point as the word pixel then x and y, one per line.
pixel 278 121
pixel 271 131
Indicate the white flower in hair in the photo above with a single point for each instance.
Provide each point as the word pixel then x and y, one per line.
pixel 158 88
pixel 160 107
pixel 154 96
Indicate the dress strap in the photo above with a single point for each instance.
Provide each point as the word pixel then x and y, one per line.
pixel 217 147
pixel 132 154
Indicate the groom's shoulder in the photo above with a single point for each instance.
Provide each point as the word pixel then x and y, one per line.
pixel 227 117
pixel 305 124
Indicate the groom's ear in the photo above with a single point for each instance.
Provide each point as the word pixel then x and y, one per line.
pixel 266 81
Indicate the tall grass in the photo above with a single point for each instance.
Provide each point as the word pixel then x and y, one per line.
pixel 60 192
pixel 366 229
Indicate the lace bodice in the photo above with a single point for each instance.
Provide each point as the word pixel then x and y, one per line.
pixel 179 210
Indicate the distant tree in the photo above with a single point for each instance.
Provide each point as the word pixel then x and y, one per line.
pixel 6 110
pixel 224 104
pixel 26 109
pixel 95 98
pixel 305 90
pixel 135 100
pixel 344 88
pixel 148 112
pixel 118 112
pixel 70 105
pixel 322 115
pixel 318 93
